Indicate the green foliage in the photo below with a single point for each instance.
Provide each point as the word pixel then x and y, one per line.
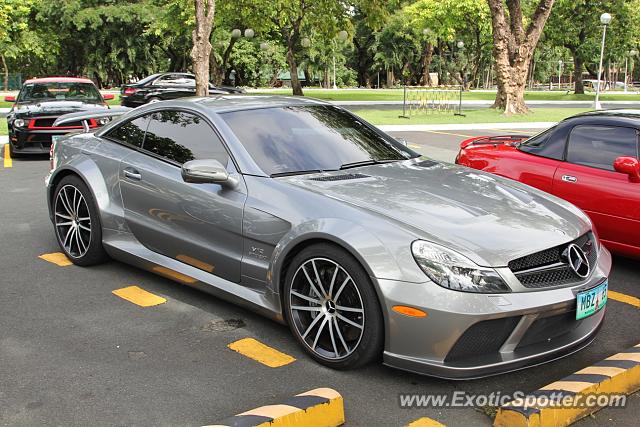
pixel 114 40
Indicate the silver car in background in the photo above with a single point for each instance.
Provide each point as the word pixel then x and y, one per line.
pixel 305 213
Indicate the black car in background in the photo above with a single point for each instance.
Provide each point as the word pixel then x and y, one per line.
pixel 40 102
pixel 165 86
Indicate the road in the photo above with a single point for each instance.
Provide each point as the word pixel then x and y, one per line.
pixel 73 353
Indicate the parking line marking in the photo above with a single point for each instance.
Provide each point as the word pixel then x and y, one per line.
pixel 449 133
pixel 260 352
pixel 512 130
pixel 8 163
pixel 57 258
pixel 414 146
pixel 139 296
pixel 620 297
pixel 425 422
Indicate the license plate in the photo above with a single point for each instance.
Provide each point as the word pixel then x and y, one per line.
pixel 591 301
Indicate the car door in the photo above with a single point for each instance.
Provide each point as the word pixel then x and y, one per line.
pixel 198 224
pixel 588 180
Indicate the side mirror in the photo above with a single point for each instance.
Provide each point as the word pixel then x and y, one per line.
pixel 108 96
pixel 204 172
pixel 10 98
pixel 628 165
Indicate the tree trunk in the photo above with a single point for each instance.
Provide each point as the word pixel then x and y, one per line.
pixel 293 67
pixel 6 73
pixel 205 11
pixel 577 73
pixel 513 47
pixel 427 55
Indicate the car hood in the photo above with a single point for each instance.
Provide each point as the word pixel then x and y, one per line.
pixel 53 108
pixel 489 219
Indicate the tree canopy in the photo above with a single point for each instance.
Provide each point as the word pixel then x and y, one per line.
pixel 387 43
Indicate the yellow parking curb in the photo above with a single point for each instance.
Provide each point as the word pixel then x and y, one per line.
pixel 616 375
pixel 322 407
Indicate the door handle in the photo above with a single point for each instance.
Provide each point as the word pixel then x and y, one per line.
pixel 132 174
pixel 569 178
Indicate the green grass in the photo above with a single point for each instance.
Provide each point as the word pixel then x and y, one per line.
pixel 397 94
pixel 3 127
pixel 483 115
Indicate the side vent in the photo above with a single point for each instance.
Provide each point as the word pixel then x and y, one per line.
pixel 339 177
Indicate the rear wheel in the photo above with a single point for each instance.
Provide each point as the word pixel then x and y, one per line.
pixel 77 223
pixel 153 100
pixel 332 308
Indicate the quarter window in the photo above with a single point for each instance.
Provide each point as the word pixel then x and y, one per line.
pixel 549 143
pixel 599 146
pixel 180 137
pixel 131 133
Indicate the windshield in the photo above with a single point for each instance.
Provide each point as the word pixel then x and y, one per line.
pixel 286 140
pixel 63 91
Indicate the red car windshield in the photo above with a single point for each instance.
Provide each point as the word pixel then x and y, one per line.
pixel 62 91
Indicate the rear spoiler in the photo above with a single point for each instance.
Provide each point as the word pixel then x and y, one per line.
pixel 85 116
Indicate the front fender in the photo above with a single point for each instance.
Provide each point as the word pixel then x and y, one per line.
pixel 380 260
pixel 85 167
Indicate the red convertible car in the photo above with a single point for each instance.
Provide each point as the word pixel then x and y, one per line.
pixel 590 159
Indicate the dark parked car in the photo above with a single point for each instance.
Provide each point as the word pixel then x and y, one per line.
pixel 40 102
pixel 165 86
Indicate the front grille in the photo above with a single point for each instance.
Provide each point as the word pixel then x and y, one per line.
pixel 47 123
pixel 549 328
pixel 482 338
pixel 44 123
pixel 558 272
pixel 339 177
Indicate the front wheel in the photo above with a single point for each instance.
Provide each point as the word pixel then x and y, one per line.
pixel 77 223
pixel 332 308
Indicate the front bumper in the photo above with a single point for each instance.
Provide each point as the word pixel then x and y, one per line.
pixel 30 141
pixel 467 335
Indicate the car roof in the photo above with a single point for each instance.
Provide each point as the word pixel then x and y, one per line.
pixel 226 103
pixel 619 116
pixel 59 80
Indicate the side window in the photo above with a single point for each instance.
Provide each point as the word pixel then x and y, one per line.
pixel 180 137
pixel 549 143
pixel 599 146
pixel 131 133
pixel 166 80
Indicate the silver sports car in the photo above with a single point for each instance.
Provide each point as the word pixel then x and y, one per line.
pixel 305 213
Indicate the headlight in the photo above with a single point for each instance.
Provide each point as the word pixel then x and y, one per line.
pixel 452 270
pixel 19 123
pixel 103 121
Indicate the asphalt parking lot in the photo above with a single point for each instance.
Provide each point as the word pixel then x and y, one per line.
pixel 73 353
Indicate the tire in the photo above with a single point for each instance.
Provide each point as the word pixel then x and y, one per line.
pixel 153 99
pixel 317 318
pixel 12 152
pixel 77 222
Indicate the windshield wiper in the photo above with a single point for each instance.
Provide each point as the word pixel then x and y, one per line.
pixel 292 173
pixel 357 164
pixel 368 163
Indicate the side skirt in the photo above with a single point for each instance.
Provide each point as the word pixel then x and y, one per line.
pixel 126 248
